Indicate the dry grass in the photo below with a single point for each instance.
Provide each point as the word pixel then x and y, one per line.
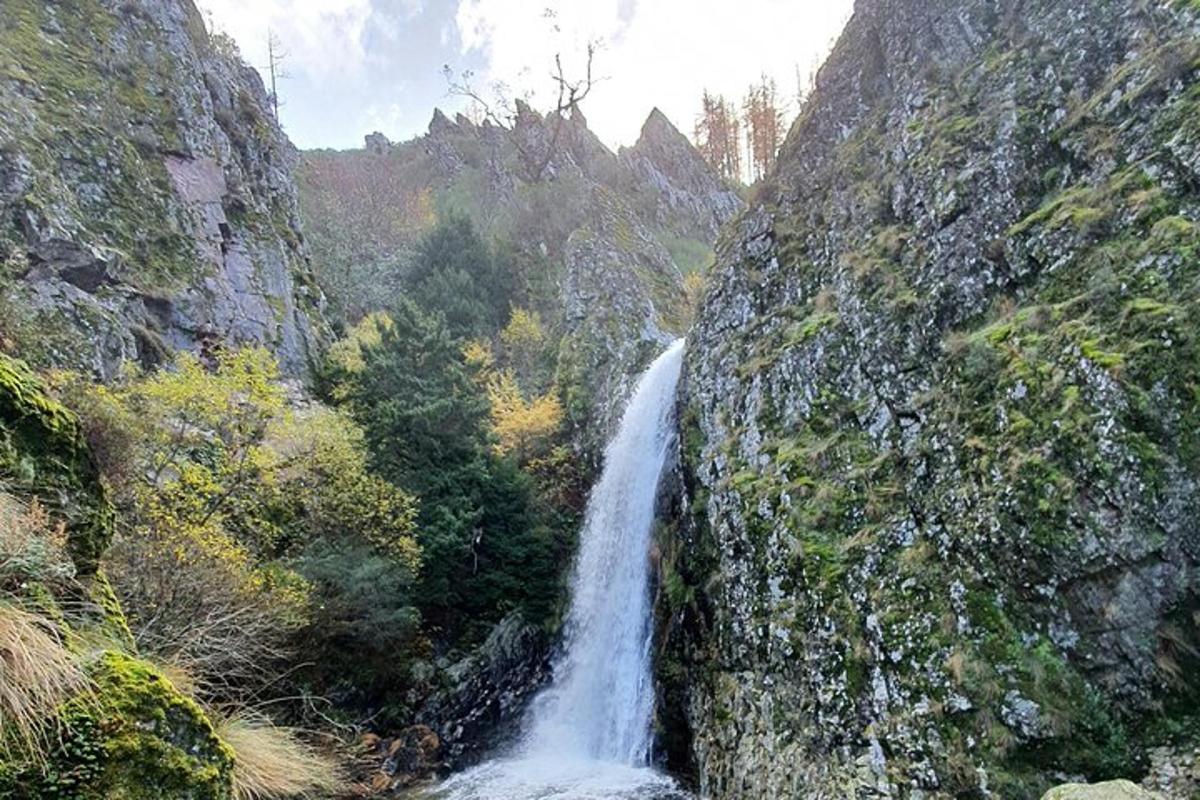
pixel 38 674
pixel 273 762
pixel 33 546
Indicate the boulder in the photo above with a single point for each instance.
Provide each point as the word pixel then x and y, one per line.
pixel 1109 790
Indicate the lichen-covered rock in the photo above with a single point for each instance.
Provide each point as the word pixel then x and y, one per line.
pixel 136 738
pixel 941 532
pixel 1174 771
pixel 1109 790
pixel 145 192
pixel 622 307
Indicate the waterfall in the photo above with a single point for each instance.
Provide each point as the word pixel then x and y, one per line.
pixel 601 700
pixel 589 733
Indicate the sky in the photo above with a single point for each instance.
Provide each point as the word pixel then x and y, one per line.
pixel 358 66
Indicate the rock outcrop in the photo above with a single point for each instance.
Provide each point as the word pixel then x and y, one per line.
pixel 686 194
pixel 1109 790
pixel 941 528
pixel 146 201
pixel 479 710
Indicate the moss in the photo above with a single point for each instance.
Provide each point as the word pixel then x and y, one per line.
pixel 112 623
pixel 43 453
pixel 138 738
pixel 159 743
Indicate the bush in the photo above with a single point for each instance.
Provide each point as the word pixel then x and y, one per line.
pixel 225 496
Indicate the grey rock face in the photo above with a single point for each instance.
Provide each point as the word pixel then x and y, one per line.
pixel 148 200
pixel 488 692
pixel 687 194
pixel 941 530
pixel 621 300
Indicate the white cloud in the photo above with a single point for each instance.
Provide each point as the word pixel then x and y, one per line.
pixel 322 38
pixel 657 52
pixel 384 117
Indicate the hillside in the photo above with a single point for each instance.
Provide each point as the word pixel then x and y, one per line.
pixel 498 464
pixel 599 242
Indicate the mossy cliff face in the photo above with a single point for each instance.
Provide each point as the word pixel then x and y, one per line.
pixel 43 454
pixel 941 527
pixel 134 736
pixel 145 191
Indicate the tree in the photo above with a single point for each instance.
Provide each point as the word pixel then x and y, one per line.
pixel 485 550
pixel 718 136
pixel 182 450
pixel 276 56
pixel 456 275
pixel 523 427
pixel 524 342
pixel 763 123
pixel 224 493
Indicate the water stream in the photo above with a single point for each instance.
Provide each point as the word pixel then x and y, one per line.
pixel 588 734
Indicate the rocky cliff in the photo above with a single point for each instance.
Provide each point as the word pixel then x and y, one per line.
pixel 940 532
pixel 601 240
pixel 146 202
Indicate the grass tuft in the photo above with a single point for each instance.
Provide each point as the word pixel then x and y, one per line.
pixel 38 674
pixel 272 762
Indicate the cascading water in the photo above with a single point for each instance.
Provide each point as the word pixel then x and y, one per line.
pixel 589 733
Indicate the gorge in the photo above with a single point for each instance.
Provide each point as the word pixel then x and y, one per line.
pixel 411 470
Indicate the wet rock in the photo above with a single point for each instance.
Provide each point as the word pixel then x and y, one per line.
pixel 487 692
pixel 412 756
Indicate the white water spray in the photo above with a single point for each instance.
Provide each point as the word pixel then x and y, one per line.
pixel 589 732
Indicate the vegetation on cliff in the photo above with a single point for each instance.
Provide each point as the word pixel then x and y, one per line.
pixel 939 418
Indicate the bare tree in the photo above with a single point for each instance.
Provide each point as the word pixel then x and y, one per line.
pixel 504 110
pixel 276 57
pixel 763 122
pixel 718 135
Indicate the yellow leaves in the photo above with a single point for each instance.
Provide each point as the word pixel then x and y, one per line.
pixel 242 385
pixel 320 459
pixel 521 425
pixel 348 353
pixel 524 341
pixel 693 289
pixel 524 331
pixel 479 357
